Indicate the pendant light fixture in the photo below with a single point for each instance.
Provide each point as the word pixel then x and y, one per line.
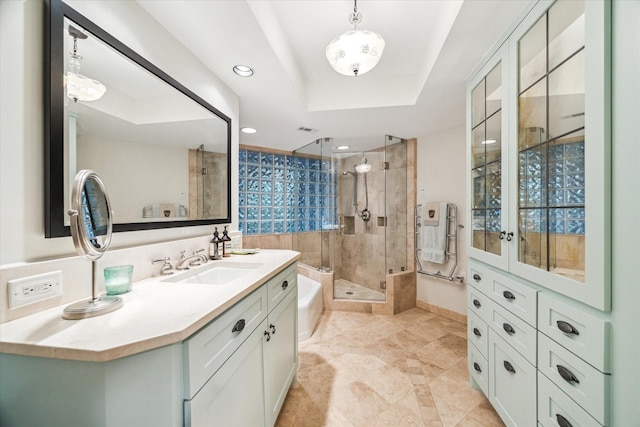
pixel 79 87
pixel 356 51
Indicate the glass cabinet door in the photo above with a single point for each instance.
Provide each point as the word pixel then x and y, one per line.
pixel 486 159
pixel 561 199
pixel 551 142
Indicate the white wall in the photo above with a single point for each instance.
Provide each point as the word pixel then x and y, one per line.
pixel 441 177
pixel 21 118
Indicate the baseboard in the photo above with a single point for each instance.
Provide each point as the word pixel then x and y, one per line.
pixel 444 312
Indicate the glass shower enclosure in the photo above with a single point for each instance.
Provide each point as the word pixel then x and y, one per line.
pixel 364 221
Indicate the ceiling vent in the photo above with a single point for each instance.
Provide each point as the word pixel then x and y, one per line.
pixel 304 129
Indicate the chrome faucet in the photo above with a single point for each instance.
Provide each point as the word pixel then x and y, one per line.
pixel 192 261
pixel 167 268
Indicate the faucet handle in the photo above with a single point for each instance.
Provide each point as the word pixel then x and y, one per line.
pixel 166 268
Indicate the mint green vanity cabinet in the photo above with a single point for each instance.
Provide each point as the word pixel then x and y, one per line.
pixel 236 370
pixel 539 280
pixel 252 359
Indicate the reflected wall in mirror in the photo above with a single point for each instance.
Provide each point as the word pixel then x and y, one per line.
pixel 162 150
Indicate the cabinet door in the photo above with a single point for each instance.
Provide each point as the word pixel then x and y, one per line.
pixel 559 173
pixel 234 395
pixel 512 384
pixel 281 353
pixel 486 102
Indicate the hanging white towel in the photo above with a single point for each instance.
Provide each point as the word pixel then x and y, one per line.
pixel 434 232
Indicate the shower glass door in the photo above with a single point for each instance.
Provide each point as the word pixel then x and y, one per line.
pixel 372 223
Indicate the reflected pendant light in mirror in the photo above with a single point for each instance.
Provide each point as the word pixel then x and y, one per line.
pixel 79 87
pixel 91 227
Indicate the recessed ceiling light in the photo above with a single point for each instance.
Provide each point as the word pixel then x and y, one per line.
pixel 248 130
pixel 243 71
pixel 488 141
pixel 342 147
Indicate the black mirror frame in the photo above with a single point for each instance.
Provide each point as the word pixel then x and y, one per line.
pixel 54 213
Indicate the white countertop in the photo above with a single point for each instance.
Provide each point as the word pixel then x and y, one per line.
pixel 155 313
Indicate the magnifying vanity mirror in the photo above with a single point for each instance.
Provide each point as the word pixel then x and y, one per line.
pixel 91 227
pixel 163 151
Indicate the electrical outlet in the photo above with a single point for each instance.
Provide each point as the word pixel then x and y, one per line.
pixel 28 290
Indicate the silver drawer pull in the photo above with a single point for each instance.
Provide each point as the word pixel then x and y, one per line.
pixel 567 327
pixel 477 277
pixel 477 303
pixel 567 375
pixel 476 367
pixel 476 332
pixel 509 367
pixel 285 284
pixel 239 326
pixel 562 421
pixel 268 335
pixel 508 328
pixel 273 328
pixel 508 295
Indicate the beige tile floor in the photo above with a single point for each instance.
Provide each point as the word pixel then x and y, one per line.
pixel 371 370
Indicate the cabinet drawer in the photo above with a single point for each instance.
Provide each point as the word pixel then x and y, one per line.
pixel 234 395
pixel 209 348
pixel 555 407
pixel 477 333
pixel 512 384
pixel 478 303
pixel 585 335
pixel 516 297
pixel 279 286
pixel 583 383
pixel 478 369
pixel 515 331
pixel 480 277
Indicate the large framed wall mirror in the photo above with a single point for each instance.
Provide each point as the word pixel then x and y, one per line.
pixel 163 151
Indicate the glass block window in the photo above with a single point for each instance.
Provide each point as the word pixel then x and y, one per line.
pixel 281 193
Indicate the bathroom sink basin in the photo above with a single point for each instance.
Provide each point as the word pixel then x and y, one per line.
pixel 216 274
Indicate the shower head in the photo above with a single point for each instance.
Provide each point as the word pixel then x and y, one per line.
pixel 348 172
pixel 363 167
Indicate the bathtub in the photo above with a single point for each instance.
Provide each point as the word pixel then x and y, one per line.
pixel 310 306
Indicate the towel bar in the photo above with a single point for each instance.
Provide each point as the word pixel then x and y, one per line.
pixel 452 234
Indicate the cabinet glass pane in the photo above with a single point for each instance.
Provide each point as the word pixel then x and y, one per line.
pixel 479 155
pixel 532 177
pixel 532 108
pixel 566 31
pixel 493 138
pixel 477 104
pixel 493 244
pixel 533 237
pixel 479 188
pixel 566 96
pixel 494 189
pixel 479 227
pixel 533 55
pixel 494 90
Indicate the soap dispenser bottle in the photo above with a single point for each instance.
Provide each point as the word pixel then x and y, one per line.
pixel 226 243
pixel 213 246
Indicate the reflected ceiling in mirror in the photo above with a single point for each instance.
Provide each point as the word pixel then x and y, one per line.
pixel 162 150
